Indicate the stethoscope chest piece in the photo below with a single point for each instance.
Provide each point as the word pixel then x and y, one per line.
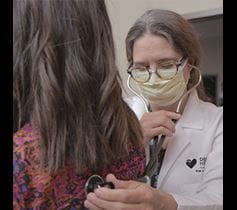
pixel 95 181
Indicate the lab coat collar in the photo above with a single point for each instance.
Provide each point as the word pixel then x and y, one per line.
pixel 192 116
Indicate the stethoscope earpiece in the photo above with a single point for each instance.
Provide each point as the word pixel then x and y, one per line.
pixel 96 181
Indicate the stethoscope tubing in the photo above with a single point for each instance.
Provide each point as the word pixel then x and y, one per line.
pixel 158 142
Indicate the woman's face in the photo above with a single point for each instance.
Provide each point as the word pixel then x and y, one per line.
pixel 151 50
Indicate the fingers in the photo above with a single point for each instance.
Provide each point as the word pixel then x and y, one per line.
pixel 157 114
pixel 112 178
pixel 159 122
pixel 91 206
pixel 132 196
pixel 172 115
pixel 133 193
pixel 149 133
pixel 119 195
pixel 126 191
pixel 93 202
pixel 160 130
pixel 163 121
pixel 120 184
pixel 154 119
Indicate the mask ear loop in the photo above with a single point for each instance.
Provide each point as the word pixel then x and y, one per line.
pixel 147 107
pixel 186 93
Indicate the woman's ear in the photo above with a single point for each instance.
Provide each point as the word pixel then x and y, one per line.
pixel 187 71
pixel 189 68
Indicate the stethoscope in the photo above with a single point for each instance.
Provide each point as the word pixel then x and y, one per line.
pixel 95 181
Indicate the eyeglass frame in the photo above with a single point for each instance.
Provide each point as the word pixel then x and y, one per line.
pixel 150 71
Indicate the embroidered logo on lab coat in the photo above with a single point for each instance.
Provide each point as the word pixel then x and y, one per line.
pixel 200 163
pixel 191 163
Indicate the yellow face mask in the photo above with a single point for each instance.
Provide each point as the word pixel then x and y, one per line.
pixel 164 92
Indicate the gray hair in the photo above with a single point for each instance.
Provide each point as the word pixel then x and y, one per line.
pixel 178 31
pixel 172 26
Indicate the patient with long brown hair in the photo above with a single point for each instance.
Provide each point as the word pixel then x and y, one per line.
pixel 70 120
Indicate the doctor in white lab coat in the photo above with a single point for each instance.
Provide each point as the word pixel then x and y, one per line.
pixel 164 56
pixel 192 169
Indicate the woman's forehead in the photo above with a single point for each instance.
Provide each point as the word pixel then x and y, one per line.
pixel 153 48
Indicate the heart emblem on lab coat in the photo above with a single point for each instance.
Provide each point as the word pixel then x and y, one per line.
pixel 190 163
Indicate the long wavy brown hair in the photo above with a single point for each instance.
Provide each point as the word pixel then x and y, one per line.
pixel 66 83
pixel 178 31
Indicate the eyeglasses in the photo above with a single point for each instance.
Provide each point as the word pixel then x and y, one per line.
pixel 166 70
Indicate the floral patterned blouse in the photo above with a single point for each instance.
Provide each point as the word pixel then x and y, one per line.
pixel 36 189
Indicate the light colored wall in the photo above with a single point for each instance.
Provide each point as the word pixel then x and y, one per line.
pixel 123 14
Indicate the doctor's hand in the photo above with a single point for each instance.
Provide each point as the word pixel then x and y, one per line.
pixel 129 195
pixel 158 122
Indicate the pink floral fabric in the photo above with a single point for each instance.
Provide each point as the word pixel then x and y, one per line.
pixel 34 188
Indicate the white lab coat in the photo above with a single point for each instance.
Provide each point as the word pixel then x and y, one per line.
pixel 199 140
